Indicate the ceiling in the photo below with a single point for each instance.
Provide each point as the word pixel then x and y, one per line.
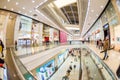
pixel 95 8
pixel 71 13
pixel 80 14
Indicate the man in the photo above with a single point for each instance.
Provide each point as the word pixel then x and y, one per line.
pixel 105 48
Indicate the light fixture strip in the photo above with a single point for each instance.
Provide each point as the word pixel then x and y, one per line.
pixel 67 15
pixel 46 17
pixel 41 3
pixel 86 18
pixel 73 13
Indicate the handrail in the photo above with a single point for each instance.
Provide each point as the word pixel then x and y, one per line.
pixel 29 54
pixel 105 66
pixel 20 75
pixel 21 69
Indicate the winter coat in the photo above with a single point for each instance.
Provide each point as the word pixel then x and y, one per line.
pixel 106 45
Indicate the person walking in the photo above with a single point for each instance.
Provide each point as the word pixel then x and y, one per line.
pixel 105 48
pixel 16 45
pixel 1 47
pixel 66 77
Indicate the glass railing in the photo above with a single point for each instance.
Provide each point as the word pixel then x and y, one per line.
pixel 22 71
pixel 104 69
pixel 35 50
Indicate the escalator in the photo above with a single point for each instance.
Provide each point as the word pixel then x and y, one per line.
pixel 95 67
pixel 14 68
pixel 11 70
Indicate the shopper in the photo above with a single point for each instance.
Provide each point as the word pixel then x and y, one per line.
pixel 100 44
pixel 105 48
pixel 97 42
pixel 16 45
pixel 66 77
pixel 1 47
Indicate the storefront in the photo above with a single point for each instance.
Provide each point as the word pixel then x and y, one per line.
pixel 24 31
pixel 63 37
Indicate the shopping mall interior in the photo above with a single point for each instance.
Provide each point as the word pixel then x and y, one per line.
pixel 59 40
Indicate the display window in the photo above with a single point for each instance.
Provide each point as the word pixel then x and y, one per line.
pixel 46 70
pixel 110 11
pixel 35 33
pixel 66 53
pixel 104 18
pixel 63 37
pixel 60 59
pixel 56 35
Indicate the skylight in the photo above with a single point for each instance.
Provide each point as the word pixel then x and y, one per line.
pixel 62 3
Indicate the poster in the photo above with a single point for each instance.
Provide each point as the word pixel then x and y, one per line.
pixel 25 28
pixel 60 59
pixel 46 70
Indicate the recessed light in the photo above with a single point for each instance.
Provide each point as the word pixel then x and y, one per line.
pixel 30 11
pixel 92 10
pixel 4 7
pixel 17 3
pixel 96 14
pixel 101 6
pixel 19 11
pixel 8 0
pixel 12 9
pixel 23 8
pixel 33 1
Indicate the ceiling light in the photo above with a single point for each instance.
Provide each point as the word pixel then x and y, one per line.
pixel 23 8
pixel 119 58
pixel 62 3
pixel 30 11
pixel 92 10
pixel 73 28
pixel 4 7
pixel 8 0
pixel 19 11
pixel 17 3
pixel 97 15
pixel 33 1
pixel 12 9
pixel 101 6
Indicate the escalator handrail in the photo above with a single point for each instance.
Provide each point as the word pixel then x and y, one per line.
pixel 20 74
pixel 104 64
pixel 15 58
